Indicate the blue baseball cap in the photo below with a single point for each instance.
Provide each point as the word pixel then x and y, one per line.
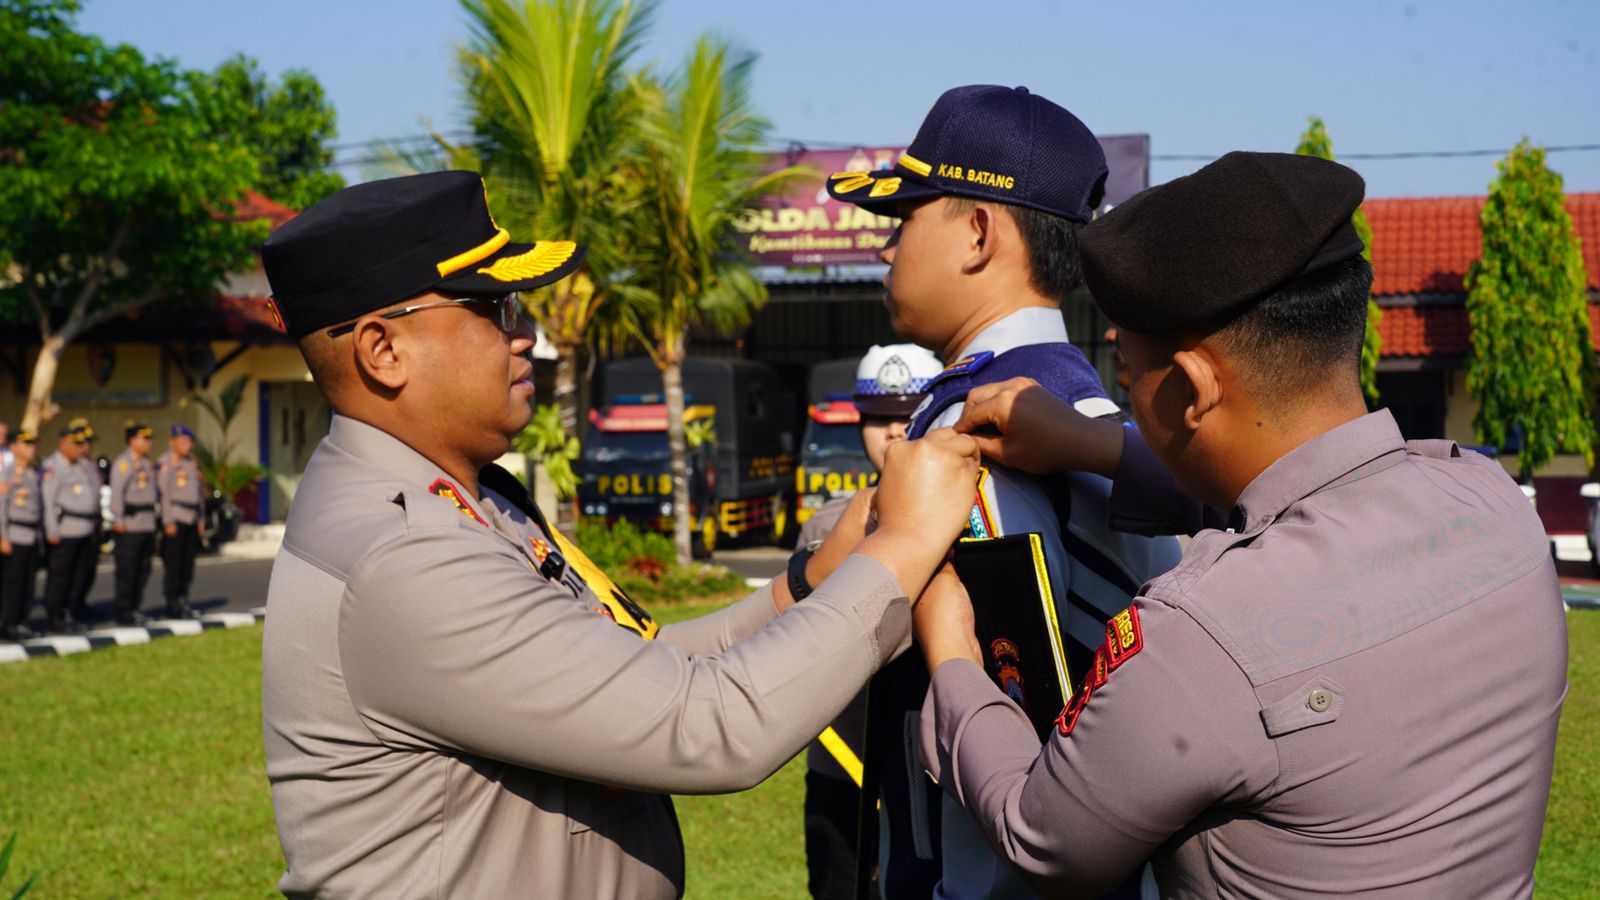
pixel 990 143
pixel 183 430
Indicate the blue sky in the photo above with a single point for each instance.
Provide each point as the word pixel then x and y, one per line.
pixel 1199 78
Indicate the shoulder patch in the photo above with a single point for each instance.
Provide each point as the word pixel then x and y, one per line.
pixel 1124 639
pixel 966 365
pixel 122 466
pixel 443 488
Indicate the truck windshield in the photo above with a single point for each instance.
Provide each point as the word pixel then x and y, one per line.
pixel 625 446
pixel 825 441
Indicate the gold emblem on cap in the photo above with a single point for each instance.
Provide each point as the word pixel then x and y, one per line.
pixel 883 187
pixel 481 252
pixel 851 181
pixel 915 165
pixel 544 258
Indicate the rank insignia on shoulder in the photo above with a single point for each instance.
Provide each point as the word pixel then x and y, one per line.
pixel 122 466
pixel 966 365
pixel 1123 639
pixel 443 488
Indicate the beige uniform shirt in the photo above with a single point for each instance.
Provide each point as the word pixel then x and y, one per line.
pixel 1352 692
pixel 133 493
pixel 181 489
pixel 441 720
pixel 71 497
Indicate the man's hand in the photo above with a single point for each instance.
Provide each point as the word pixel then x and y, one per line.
pixel 5 547
pixel 923 500
pixel 170 529
pixel 52 541
pixel 943 620
pixel 119 528
pixel 1019 424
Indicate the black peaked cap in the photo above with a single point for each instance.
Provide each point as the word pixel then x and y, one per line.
pixel 1204 245
pixel 375 244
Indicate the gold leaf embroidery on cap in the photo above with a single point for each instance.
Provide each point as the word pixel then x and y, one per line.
pixel 851 181
pixel 544 258
pixel 884 187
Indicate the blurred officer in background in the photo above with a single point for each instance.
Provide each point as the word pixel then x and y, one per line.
pixel 890 383
pixel 71 487
pixel 183 523
pixel 133 521
pixel 21 518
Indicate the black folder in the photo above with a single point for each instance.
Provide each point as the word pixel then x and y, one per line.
pixel 1018 631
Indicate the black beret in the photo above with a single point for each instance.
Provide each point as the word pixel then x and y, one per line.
pixel 375 244
pixel 1203 245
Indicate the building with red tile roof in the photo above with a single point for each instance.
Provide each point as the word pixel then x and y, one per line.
pixel 1421 249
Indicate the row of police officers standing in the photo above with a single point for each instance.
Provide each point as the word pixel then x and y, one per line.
pixel 55 510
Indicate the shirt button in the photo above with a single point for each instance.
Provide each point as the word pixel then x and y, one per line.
pixel 1320 700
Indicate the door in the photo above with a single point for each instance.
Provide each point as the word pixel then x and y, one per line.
pixel 297 419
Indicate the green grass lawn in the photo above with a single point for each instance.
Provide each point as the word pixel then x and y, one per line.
pixel 137 772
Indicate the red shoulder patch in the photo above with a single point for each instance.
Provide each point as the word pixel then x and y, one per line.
pixel 1123 639
pixel 443 488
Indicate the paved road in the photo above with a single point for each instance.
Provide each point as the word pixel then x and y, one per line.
pixel 222 584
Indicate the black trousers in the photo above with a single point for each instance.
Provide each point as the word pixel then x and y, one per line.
pixel 831 807
pixel 177 554
pixel 133 552
pixel 16 585
pixel 68 574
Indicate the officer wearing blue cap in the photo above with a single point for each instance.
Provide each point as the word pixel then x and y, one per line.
pixel 991 194
pixel 183 521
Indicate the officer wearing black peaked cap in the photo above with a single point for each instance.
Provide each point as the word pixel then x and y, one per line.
pixel 456 701
pixel 1318 700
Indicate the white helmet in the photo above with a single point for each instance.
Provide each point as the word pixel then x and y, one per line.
pixel 892 380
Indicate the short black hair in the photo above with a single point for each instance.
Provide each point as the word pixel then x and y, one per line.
pixel 1051 242
pixel 1303 332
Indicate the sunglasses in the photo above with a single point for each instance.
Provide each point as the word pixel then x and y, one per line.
pixel 510 309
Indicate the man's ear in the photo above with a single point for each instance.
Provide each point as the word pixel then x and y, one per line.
pixel 376 356
pixel 1205 384
pixel 983 237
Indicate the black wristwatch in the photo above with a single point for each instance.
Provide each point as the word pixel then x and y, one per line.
pixel 799 588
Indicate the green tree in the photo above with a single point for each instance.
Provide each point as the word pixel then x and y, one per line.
pixel 1315 142
pixel 702 167
pixel 288 126
pixel 1532 368
pixel 555 126
pixel 116 195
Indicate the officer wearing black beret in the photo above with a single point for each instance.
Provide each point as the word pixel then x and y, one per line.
pixel 458 702
pixel 1319 700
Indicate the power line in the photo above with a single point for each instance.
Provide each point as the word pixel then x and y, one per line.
pixel 368 148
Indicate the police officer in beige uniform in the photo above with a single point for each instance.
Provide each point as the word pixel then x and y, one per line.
pixel 455 701
pixel 71 527
pixel 21 518
pixel 183 523
pixel 1351 687
pixel 133 521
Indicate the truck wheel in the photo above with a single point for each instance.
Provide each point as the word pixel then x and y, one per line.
pixel 704 541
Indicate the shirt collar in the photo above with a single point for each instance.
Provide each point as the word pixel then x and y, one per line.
pixel 382 450
pixel 1030 325
pixel 1354 449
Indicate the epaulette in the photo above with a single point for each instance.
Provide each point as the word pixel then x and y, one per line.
pixel 966 365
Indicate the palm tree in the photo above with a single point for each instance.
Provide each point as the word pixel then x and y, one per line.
pixel 555 123
pixel 701 167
